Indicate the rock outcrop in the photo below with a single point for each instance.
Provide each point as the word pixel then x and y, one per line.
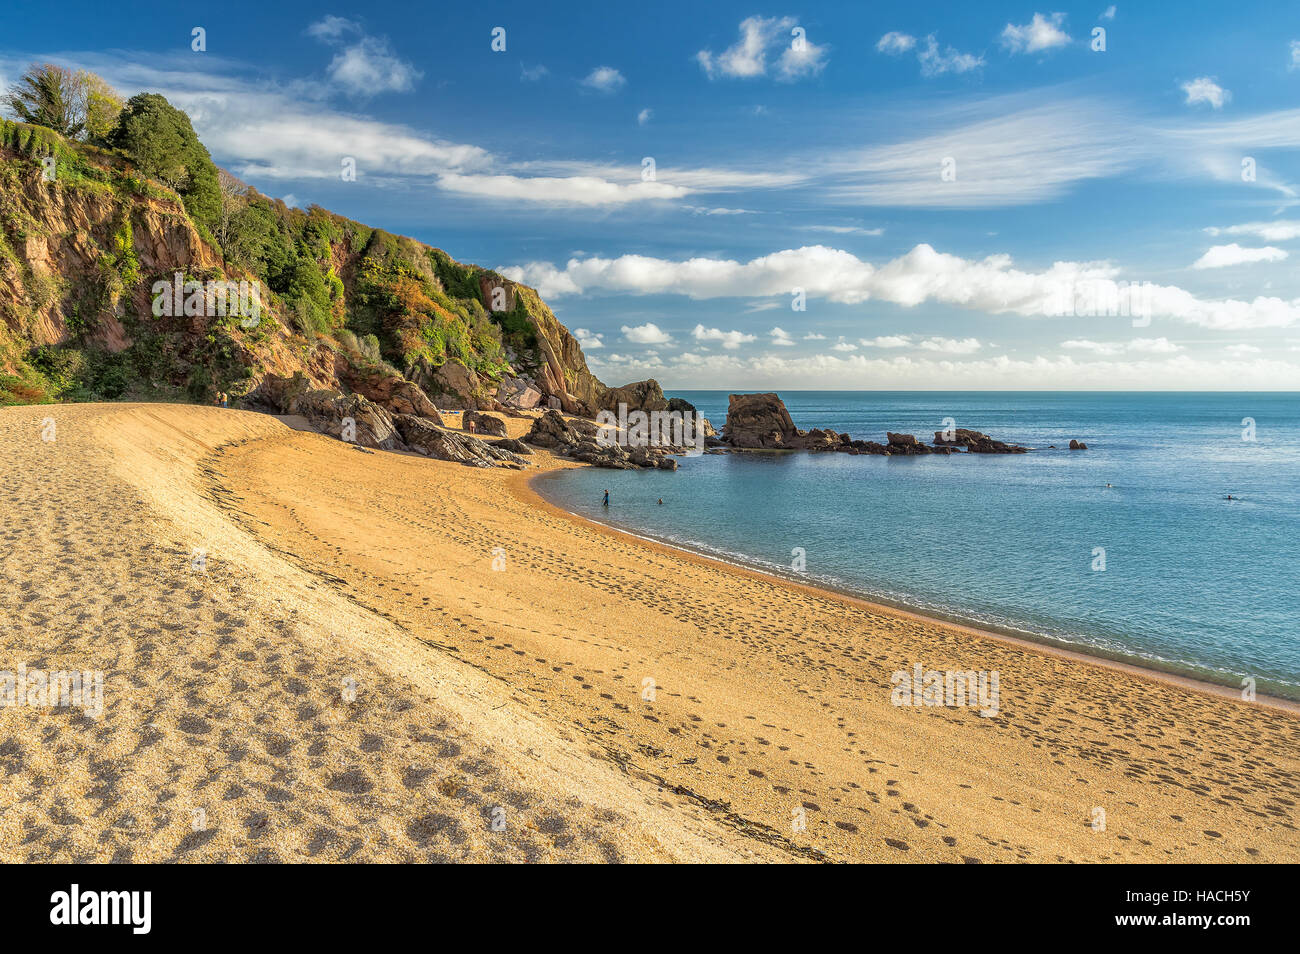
pixel 427 438
pixel 349 417
pixel 684 407
pixel 479 423
pixel 758 421
pixel 1078 445
pixel 976 442
pixel 761 421
pixel 644 395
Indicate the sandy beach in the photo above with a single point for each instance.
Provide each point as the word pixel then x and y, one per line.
pixel 315 652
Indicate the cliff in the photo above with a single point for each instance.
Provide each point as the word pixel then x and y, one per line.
pixel 84 238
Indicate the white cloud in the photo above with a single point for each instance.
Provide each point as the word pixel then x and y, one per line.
pixel 760 38
pixel 1241 349
pixel 1041 33
pixel 1221 256
pixel 895 43
pixel 573 190
pixel 1278 231
pixel 649 333
pixel 951 345
pixel 589 340
pixel 531 74
pixel 369 65
pixel 331 29
pixel 843 345
pixel 814 336
pixel 1108 13
pixel 935 63
pixel 781 338
pixel 1203 89
pixel 1139 345
pixel 887 341
pixel 644 116
pixel 731 340
pixel 1295 56
pixel 842 229
pixel 605 79
pixel 991 284
pixel 774 371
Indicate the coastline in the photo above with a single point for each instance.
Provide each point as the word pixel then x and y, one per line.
pixel 523 485
pixel 624 699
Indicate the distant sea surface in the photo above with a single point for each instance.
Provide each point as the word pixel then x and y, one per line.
pixel 1192 583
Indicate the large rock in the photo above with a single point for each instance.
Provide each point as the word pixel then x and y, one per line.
pixel 684 407
pixel 644 395
pixel 758 421
pixel 483 424
pixel 433 441
pixel 392 391
pixel 553 431
pixel 453 386
pixel 346 416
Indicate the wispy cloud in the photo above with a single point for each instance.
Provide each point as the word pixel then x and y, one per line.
pixel 1222 256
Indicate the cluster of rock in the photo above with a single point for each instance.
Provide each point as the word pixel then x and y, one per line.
pixel 577 439
pixel 761 422
pixel 367 423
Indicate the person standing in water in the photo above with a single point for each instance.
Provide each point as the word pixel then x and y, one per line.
pixel 661 501
pixel 605 502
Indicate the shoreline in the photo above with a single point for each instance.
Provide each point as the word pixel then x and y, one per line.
pixel 512 644
pixel 522 485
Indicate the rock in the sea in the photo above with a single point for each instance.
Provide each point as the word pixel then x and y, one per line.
pixel 441 444
pixel 758 421
pixel 644 395
pixel 1078 445
pixel 667 463
pixel 684 407
pixel 483 423
pixel 900 444
pixel 976 442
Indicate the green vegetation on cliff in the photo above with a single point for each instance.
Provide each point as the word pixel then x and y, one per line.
pixel 90 220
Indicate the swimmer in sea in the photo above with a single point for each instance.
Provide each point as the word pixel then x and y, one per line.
pixel 661 501
pixel 605 502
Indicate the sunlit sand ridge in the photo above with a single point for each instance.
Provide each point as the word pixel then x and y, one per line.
pixel 618 699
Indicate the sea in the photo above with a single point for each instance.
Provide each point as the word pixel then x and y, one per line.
pixel 1130 550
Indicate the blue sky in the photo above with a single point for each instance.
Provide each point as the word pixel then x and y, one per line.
pixel 936 178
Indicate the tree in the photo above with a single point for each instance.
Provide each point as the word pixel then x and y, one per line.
pixel 48 95
pixel 76 104
pixel 160 140
pixel 101 105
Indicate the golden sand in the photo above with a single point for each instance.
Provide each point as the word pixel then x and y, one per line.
pixel 521 694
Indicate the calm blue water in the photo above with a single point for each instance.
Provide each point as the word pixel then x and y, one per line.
pixel 1192 583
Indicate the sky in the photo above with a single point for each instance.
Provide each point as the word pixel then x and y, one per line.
pixel 800 195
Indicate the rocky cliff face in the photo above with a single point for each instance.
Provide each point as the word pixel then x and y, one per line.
pixel 79 256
